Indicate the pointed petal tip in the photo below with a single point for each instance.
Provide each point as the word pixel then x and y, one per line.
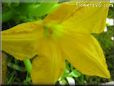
pixel 107 75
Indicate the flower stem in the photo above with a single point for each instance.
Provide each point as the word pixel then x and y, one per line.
pixel 28 65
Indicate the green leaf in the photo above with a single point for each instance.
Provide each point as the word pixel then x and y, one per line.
pixel 6 16
pixel 39 10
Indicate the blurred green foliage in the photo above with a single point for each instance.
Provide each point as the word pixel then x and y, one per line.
pixel 15 13
pixel 23 12
pixel 111 11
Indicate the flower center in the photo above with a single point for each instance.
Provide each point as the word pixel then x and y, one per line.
pixel 52 30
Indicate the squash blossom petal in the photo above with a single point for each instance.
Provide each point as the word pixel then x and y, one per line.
pixel 63 34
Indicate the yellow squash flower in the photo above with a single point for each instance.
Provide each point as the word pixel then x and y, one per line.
pixel 65 34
